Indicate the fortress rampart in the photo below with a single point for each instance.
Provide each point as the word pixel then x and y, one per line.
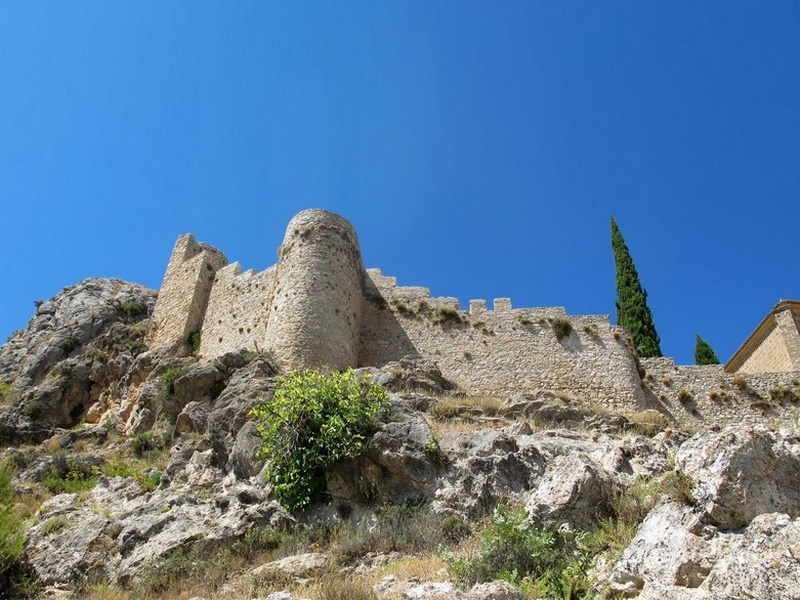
pixel 319 307
pixel 707 396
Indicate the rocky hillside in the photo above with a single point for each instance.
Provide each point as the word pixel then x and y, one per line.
pixel 129 473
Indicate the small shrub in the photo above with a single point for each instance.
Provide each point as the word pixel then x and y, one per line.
pixel 6 393
pixel 434 450
pixel 403 309
pixel 193 342
pixel 514 548
pixel 184 569
pixel 336 587
pixel 150 442
pixel 53 525
pixel 368 490
pixel 783 394
pixel 132 308
pixel 447 408
pixel 313 421
pixel 69 344
pixel 592 332
pixel 446 316
pixel 73 482
pixel 562 328
pixel 667 381
pixel 396 528
pixel 168 378
pixel 633 503
pixel 740 382
pixel 118 467
pixel 679 486
pixel 684 396
pixel 455 529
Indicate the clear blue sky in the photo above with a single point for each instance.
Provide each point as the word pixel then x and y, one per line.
pixel 478 147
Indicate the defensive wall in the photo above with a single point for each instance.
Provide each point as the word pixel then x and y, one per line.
pixel 319 307
pixel 706 396
pixel 501 350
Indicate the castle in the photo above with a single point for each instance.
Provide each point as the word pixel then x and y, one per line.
pixel 319 307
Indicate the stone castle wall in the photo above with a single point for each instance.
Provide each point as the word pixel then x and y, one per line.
pixel 183 298
pixel 319 307
pixel 706 396
pixel 238 311
pixel 500 351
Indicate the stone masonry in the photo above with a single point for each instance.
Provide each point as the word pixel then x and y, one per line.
pixel 774 346
pixel 318 307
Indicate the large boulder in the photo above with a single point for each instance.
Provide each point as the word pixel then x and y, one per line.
pixel 668 550
pixel 401 464
pixel 674 555
pixel 486 466
pixel 572 490
pixel 740 473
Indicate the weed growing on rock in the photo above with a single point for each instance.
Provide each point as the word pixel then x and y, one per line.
pixel 132 308
pixel 314 420
pixel 562 328
pixel 680 487
pixel 684 396
pixel 6 393
pixel 74 481
pixel 193 342
pixel 168 378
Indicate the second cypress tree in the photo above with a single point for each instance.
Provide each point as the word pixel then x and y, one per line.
pixel 704 354
pixel 632 310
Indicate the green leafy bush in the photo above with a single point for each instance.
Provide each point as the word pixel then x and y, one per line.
pixel 193 341
pixel 514 548
pixel 314 420
pixel 132 308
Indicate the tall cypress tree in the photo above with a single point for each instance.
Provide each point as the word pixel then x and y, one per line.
pixel 632 311
pixel 704 354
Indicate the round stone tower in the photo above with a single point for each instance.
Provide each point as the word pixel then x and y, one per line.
pixel 315 312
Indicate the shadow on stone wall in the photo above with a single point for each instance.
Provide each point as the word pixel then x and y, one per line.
pixel 383 338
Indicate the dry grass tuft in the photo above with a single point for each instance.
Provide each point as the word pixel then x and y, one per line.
pixel 450 407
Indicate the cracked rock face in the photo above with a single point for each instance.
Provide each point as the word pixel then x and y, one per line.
pixel 118 529
pixel 739 473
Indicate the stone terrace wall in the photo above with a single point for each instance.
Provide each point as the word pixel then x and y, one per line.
pixel 707 396
pixel 500 351
pixel 238 311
